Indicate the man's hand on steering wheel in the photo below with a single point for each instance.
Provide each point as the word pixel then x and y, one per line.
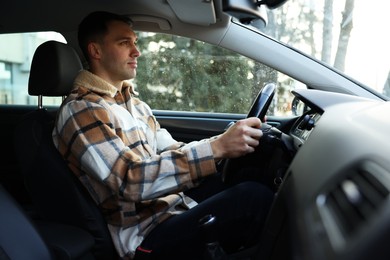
pixel 243 137
pixel 255 156
pixel 239 139
pixel 258 111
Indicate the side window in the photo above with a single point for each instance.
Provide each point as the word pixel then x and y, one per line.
pixel 176 73
pixel 5 82
pixel 16 52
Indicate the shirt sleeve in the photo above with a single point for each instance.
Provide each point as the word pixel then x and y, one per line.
pixel 131 170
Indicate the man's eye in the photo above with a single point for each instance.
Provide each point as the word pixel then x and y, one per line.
pixel 128 43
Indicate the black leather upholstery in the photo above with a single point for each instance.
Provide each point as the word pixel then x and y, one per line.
pixel 19 239
pixel 56 193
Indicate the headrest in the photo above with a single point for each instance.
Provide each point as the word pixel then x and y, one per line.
pixel 53 69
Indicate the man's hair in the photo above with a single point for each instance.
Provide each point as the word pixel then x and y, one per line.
pixel 94 26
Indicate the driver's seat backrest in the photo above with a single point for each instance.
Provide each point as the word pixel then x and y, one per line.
pixel 56 193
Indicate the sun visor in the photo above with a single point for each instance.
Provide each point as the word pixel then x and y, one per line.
pixel 147 22
pixel 199 12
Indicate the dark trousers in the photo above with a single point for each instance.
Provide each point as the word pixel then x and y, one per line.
pixel 240 212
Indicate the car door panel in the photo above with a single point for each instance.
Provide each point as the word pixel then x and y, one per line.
pixel 190 126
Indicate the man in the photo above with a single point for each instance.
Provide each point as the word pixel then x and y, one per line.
pixel 136 172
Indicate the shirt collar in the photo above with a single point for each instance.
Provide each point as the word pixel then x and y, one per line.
pixel 96 84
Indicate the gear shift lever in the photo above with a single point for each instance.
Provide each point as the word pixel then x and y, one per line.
pixel 207 227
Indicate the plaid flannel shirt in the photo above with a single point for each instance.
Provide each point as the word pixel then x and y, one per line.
pixel 134 170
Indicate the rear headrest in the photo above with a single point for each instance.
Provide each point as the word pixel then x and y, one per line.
pixel 53 69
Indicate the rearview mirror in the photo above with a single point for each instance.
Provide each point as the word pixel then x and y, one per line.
pixel 250 11
pixel 271 4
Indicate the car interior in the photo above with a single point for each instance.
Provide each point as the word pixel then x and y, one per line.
pixel 327 164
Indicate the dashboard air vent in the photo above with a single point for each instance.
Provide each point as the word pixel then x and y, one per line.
pixel 354 199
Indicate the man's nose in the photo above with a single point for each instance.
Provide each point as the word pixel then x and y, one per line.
pixel 136 53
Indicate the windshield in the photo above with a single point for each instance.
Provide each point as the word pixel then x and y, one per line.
pixel 349 35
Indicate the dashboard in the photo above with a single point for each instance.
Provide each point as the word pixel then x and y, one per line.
pixel 312 104
pixel 334 203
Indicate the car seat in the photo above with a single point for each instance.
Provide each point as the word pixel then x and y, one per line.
pixel 19 239
pixel 55 192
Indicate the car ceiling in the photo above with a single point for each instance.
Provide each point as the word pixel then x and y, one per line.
pixel 180 17
pixel 150 15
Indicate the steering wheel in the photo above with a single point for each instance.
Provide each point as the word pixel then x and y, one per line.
pixel 258 109
pixel 263 100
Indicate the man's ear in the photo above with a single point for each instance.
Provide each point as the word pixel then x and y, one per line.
pixel 94 50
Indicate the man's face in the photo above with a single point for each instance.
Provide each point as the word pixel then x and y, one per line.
pixel 119 52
